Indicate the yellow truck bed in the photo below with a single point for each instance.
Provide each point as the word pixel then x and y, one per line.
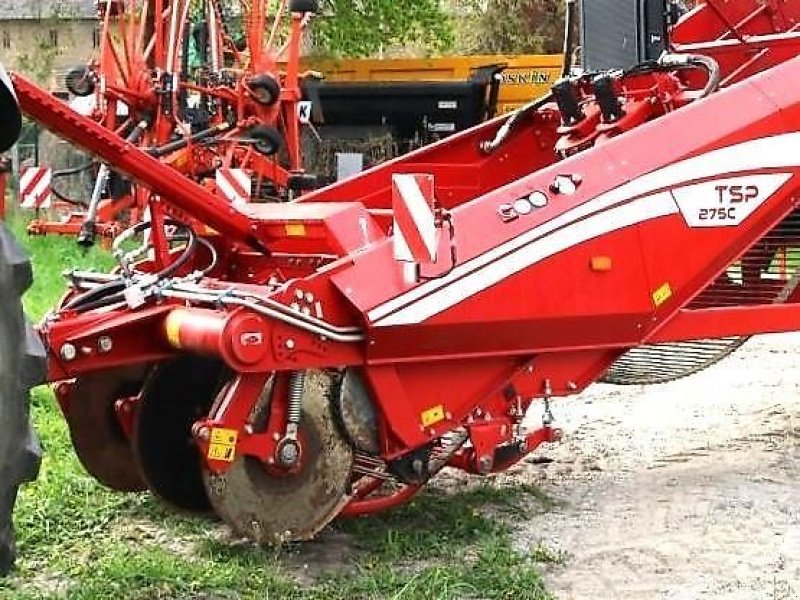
pixel 526 76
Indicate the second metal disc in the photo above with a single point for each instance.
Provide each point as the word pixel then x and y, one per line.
pixel 177 394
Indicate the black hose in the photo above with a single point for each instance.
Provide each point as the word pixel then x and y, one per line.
pixel 191 247
pixel 66 173
pixel 190 238
pixel 60 196
pixel 489 146
pixel 113 292
pixel 116 298
pixel 179 144
pixel 214 256
pixel 74 170
pixel 101 291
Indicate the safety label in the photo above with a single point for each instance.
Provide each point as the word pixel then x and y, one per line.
pixel 432 416
pixel 222 445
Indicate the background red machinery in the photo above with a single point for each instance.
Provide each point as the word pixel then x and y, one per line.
pixel 289 363
pixel 197 85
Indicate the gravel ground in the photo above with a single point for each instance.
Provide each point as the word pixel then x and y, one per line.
pixel 682 490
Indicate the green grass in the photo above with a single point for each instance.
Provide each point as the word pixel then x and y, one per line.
pixel 78 540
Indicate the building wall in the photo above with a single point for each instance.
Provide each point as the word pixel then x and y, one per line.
pixel 46 48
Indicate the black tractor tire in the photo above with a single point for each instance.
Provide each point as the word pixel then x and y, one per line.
pixel 22 365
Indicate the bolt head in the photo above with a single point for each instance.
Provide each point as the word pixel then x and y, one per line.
pixel 105 344
pixel 68 352
pixel 290 344
pixel 289 454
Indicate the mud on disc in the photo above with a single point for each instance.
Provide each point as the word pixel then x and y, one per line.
pixel 272 507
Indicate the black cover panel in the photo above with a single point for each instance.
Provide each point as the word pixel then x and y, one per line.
pixel 622 33
pixel 408 108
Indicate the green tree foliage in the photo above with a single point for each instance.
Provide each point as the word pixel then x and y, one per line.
pixel 365 27
pixel 515 27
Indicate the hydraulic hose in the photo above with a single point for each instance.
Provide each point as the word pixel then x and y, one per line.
pixel 489 146
pixel 191 245
pixel 502 134
pixel 112 292
pixel 73 170
pixel 696 60
pixel 101 292
pixel 67 173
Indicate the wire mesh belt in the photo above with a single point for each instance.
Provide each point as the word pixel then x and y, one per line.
pixel 767 274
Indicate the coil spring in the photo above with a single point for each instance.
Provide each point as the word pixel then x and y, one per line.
pixel 296 386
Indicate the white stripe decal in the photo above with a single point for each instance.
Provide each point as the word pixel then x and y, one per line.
pixel 770 152
pixel 228 179
pixel 35 193
pixel 401 250
pixel 26 178
pixel 643 209
pixel 41 186
pixel 420 211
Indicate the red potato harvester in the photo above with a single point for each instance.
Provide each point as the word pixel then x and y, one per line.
pixel 285 364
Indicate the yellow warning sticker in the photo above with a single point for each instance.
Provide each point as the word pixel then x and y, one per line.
pixel 228 437
pixel 223 444
pixel 295 229
pixel 662 294
pixel 432 415
pixel 221 452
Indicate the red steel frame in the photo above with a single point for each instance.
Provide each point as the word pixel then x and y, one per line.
pixel 527 307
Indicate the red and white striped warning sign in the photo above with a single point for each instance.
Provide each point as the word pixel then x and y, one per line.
pixel 235 185
pixel 415 234
pixel 35 187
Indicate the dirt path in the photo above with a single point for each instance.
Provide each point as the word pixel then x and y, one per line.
pixel 684 490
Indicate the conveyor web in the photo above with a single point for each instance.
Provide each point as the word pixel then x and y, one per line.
pixel 766 274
